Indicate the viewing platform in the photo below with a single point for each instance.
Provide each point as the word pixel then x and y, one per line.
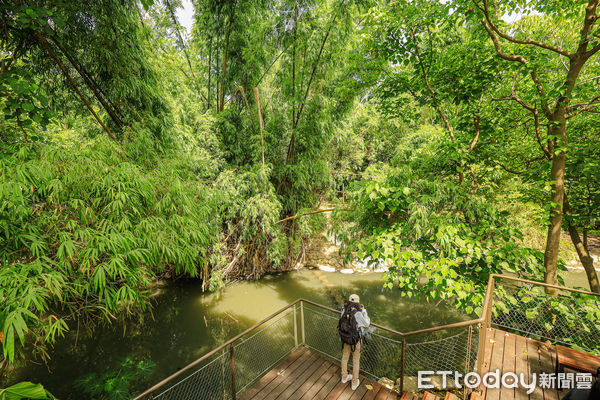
pixel 295 353
pixel 305 374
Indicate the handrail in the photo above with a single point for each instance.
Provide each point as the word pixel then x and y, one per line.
pixel 568 289
pixel 212 352
pixel 383 328
pixel 484 319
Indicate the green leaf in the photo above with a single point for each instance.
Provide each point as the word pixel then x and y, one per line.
pixel 23 390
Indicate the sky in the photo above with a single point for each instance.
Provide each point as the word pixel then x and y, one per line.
pixel 185 15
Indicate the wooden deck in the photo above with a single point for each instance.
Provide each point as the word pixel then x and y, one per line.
pixel 306 375
pixel 513 353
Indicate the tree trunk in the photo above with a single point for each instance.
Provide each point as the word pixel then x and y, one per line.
pixel 558 129
pixel 217 79
pixel 91 84
pixel 585 258
pixel 582 252
pixel 291 146
pixel 557 176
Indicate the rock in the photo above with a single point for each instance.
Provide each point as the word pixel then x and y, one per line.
pixel 326 268
pixel 386 382
pixel 347 271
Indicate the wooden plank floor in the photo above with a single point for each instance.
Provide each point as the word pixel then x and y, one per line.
pixel 513 353
pixel 306 375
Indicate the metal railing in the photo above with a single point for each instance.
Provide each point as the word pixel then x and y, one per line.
pixel 395 355
pixel 227 371
pixel 566 316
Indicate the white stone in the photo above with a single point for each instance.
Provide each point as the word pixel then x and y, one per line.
pixel 326 268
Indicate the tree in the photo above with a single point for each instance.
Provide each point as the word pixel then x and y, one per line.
pixel 552 104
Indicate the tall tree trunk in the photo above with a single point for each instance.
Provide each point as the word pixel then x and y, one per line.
pixel 217 80
pixel 582 252
pixel 291 147
pixel 558 129
pixel 586 259
pixel 557 176
pixel 222 99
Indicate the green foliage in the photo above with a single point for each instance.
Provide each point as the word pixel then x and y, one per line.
pixel 438 240
pixel 406 99
pixel 88 229
pixel 115 384
pixel 108 59
pixel 25 390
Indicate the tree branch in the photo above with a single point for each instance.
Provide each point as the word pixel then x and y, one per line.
pixel 504 167
pixel 519 41
pixel 431 92
pixel 586 107
pixel 522 60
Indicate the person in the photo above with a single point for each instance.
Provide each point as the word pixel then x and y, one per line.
pixel 586 394
pixel 352 325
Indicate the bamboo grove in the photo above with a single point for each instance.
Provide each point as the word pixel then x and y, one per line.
pixel 465 141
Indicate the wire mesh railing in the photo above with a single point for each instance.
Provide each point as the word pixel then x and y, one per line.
pixel 227 371
pixel 559 314
pixel 456 352
pixel 564 315
pixel 261 351
pixel 211 381
pixel 391 355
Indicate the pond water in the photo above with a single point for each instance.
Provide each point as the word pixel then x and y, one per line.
pixel 187 323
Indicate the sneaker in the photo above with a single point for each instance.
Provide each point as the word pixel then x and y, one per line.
pixel 357 384
pixel 347 378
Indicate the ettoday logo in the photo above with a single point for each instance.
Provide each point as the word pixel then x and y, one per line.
pixel 508 380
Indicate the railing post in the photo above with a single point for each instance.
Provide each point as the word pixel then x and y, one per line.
pixel 295 328
pixel 402 366
pixel 302 322
pixel 468 358
pixel 232 368
pixel 486 314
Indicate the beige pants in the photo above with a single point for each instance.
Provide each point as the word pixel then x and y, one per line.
pixel 355 362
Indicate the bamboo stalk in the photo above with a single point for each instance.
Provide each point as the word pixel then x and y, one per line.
pixel 261 124
pixel 53 55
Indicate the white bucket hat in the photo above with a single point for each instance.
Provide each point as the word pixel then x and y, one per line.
pixel 354 298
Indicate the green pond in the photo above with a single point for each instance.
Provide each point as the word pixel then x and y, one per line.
pixel 186 323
